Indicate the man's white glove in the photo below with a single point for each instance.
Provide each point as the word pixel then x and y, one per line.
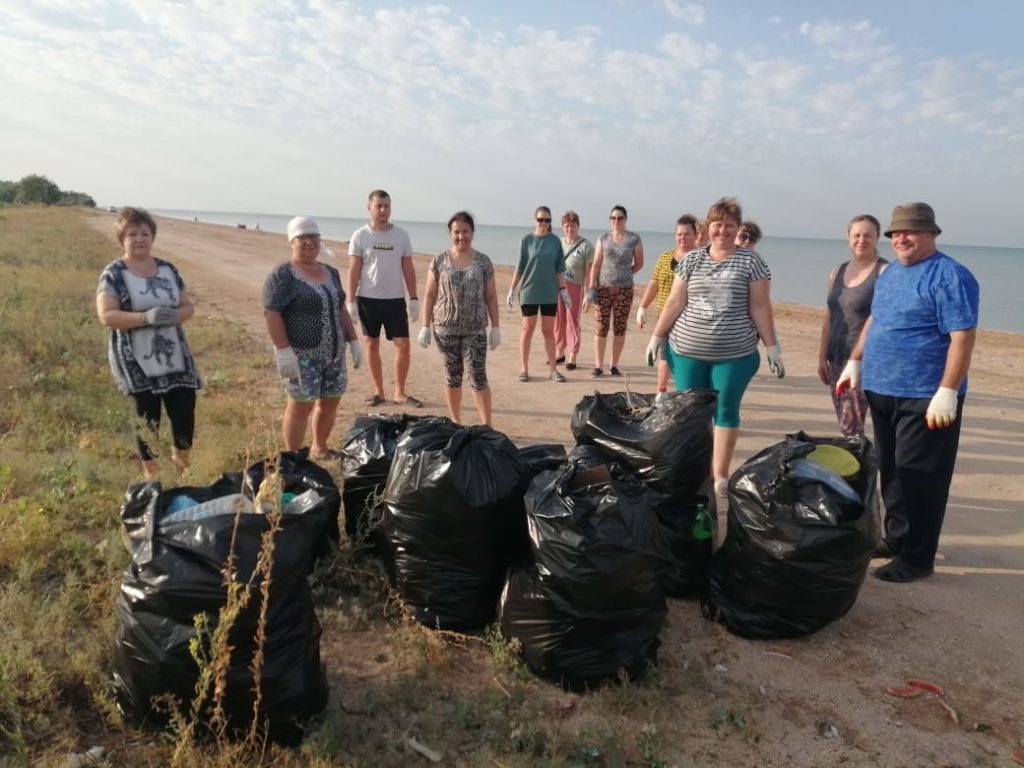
pixel 563 294
pixel 850 377
pixel 495 339
pixel 161 316
pixel 511 298
pixel 641 317
pixel 942 409
pixel 353 310
pixel 655 349
pixel 356 350
pixel 424 337
pixel 775 364
pixel 287 363
pixel 414 309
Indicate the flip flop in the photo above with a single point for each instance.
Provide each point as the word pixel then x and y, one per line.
pixel 524 376
pixel 330 455
pixel 374 401
pixel 410 401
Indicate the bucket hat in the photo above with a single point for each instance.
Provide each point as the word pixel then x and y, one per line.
pixel 913 217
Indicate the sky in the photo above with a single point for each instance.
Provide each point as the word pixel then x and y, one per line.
pixel 808 112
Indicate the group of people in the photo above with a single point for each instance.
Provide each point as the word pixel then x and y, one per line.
pixel 896 340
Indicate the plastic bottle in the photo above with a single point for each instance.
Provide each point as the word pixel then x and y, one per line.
pixel 702 526
pixel 662 394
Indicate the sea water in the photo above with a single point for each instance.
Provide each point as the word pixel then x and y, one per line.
pixel 800 266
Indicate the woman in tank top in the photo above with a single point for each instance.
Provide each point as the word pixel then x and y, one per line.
pixel 851 286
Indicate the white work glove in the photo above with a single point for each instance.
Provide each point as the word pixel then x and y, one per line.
pixel 161 316
pixel 356 350
pixel 511 298
pixel 287 363
pixel 563 294
pixel 414 309
pixel 424 337
pixel 942 409
pixel 775 364
pixel 654 349
pixel 353 311
pixel 850 377
pixel 641 317
pixel 495 339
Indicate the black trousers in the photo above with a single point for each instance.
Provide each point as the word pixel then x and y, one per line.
pixel 180 404
pixel 916 467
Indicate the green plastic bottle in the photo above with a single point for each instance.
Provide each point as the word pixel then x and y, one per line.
pixel 703 526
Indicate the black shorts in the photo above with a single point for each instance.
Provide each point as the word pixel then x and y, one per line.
pixel 389 313
pixel 546 310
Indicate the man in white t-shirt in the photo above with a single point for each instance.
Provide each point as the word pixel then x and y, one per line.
pixel 380 273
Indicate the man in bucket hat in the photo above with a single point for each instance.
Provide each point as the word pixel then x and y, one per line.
pixel 915 349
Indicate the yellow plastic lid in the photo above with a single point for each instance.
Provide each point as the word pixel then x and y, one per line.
pixel 839 460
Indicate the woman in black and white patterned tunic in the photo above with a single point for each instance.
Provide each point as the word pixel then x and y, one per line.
pixel 460 298
pixel 143 301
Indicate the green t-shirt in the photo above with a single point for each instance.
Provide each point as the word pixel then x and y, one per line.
pixel 540 261
pixel 578 257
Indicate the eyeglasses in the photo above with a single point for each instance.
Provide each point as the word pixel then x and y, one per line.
pixel 544 221
pixel 310 238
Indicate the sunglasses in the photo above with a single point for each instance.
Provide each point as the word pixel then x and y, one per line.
pixel 745 237
pixel 544 221
pixel 615 218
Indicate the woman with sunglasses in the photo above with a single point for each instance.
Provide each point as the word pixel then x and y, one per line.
pixel 719 305
pixel 539 279
pixel 618 256
pixel 749 235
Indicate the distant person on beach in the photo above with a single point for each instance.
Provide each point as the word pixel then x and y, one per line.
pixel 579 257
pixel 848 295
pixel 749 235
pixel 459 300
pixel 660 287
pixel 719 305
pixel 539 279
pixel 914 353
pixel 143 301
pixel 380 274
pixel 618 256
pixel 702 234
pixel 309 325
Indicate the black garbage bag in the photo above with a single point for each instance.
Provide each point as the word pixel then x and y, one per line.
pixel 798 541
pixel 453 520
pixel 668 444
pixel 367 452
pixel 688 528
pixel 541 457
pixel 177 573
pixel 591 605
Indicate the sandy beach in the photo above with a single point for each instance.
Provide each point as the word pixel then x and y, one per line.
pixel 963 628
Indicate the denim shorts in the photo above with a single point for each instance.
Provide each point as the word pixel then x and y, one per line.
pixel 317 378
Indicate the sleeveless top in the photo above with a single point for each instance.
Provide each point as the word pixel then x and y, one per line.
pixel 848 310
pixel 617 266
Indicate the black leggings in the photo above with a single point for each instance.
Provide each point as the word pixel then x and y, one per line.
pixel 180 404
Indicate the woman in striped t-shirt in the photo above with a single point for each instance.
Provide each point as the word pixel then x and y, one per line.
pixel 718 307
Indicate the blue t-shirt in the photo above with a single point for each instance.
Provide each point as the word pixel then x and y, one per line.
pixel 914 310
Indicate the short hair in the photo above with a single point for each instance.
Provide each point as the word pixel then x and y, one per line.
pixel 868 218
pixel 620 208
pixel 751 228
pixel 725 208
pixel 378 193
pixel 465 217
pixel 128 217
pixel 570 217
pixel 687 220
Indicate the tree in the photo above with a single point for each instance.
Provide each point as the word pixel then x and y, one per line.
pixel 37 189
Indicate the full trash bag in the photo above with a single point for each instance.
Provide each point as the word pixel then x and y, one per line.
pixel 798 543
pixel 591 604
pixel 453 520
pixel 367 452
pixel 668 445
pixel 177 572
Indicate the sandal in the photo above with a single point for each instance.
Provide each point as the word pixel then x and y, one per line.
pixel 596 372
pixel 374 401
pixel 556 376
pixel 329 455
pixel 524 376
pixel 570 366
pixel 614 371
pixel 410 401
pixel 560 359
